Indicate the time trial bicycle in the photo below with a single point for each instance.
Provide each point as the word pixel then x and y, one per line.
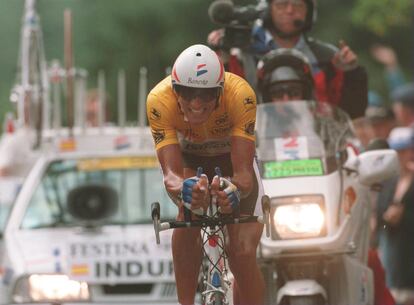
pixel 215 281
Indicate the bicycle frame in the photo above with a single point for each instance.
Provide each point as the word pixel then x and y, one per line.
pixel 215 279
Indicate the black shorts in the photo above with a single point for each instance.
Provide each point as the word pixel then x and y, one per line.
pixel 248 204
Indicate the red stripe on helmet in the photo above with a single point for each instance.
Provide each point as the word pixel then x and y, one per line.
pixel 174 73
pixel 221 72
pixel 200 66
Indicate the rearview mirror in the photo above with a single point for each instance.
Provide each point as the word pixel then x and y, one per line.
pixel 377 166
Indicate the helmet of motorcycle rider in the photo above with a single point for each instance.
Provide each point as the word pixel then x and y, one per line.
pixel 310 19
pixel 401 138
pixel 404 95
pixel 285 67
pixel 198 72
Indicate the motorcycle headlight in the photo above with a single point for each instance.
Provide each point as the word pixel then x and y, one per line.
pixel 298 217
pixel 50 288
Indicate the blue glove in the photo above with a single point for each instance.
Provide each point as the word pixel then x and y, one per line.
pixel 232 192
pixel 187 194
pixel 187 191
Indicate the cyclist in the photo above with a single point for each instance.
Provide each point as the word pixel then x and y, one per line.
pixel 204 116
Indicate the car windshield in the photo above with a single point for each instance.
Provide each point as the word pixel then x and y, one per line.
pixel 299 138
pixel 137 180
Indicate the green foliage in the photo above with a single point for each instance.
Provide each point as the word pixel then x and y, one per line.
pixel 379 15
pixel 128 34
pixel 10 16
pixel 334 23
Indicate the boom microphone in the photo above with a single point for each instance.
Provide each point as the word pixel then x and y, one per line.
pixel 299 23
pixel 221 11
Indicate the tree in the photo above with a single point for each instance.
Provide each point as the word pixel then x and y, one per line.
pixel 379 16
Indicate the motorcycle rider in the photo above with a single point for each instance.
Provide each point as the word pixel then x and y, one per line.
pixel 339 79
pixel 285 75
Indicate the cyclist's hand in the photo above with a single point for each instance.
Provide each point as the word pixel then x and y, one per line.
pixel 195 194
pixel 227 199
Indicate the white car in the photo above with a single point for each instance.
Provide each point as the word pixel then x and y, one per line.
pixel 80 229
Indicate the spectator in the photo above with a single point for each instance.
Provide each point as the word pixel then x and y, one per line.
pixel 364 132
pixel 92 109
pixel 380 117
pixel 396 220
pixel 403 104
pixel 387 56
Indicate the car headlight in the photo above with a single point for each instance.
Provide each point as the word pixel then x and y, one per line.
pixel 297 217
pixel 50 288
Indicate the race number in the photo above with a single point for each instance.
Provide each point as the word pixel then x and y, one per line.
pixel 291 148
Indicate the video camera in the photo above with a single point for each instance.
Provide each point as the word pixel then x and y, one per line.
pixel 237 21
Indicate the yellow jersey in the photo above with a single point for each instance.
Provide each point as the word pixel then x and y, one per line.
pixel 234 116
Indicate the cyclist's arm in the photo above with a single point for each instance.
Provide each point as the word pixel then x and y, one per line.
pixel 243 116
pixel 242 155
pixel 171 163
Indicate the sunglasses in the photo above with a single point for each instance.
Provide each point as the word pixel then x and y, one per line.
pixel 278 91
pixel 204 94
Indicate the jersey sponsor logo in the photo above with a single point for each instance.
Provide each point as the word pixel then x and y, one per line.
pixel 249 128
pixel 221 130
pixel 222 119
pixel 158 135
pixel 216 146
pixel 249 103
pixel 189 134
pixel 200 70
pixel 155 115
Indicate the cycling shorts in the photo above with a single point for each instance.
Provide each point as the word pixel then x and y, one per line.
pixel 249 204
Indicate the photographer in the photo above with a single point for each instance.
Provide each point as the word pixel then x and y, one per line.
pixel 339 79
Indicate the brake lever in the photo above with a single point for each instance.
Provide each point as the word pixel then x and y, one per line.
pixel 155 215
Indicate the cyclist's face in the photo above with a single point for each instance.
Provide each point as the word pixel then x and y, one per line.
pixel 286 91
pixel 285 12
pixel 197 104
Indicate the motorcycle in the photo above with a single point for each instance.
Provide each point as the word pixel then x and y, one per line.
pixel 320 190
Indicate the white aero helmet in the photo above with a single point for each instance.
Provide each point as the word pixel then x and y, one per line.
pixel 198 67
